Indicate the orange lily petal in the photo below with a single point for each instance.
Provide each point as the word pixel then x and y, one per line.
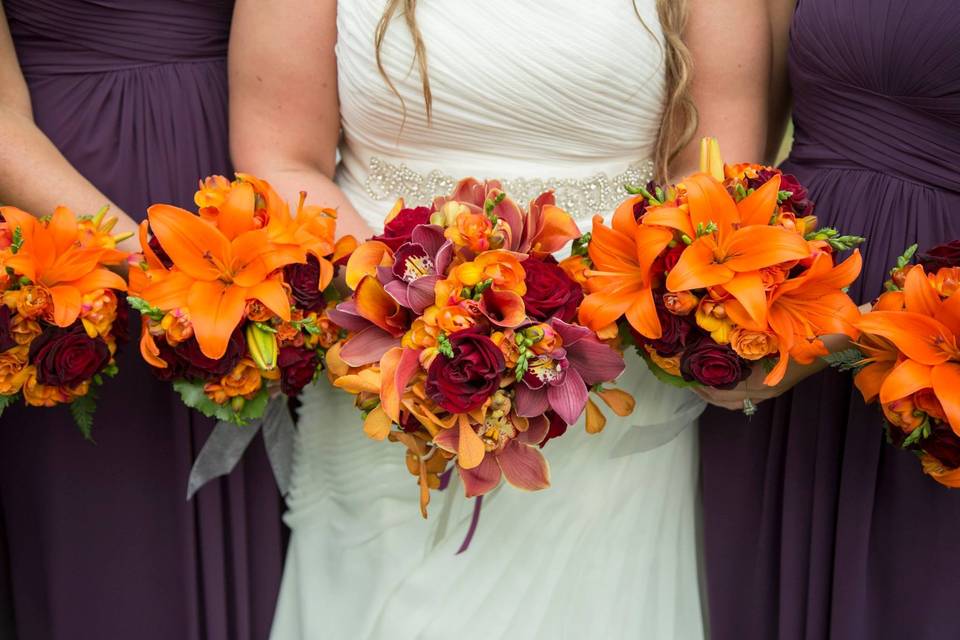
pixel 216 309
pixel 748 289
pixel 196 247
pixel 343 247
pixel 750 248
pixel 696 268
pixel 869 380
pixel 642 314
pixel 890 301
pixel 710 202
pixel 600 309
pixel 623 220
pixel 919 337
pixel 67 265
pixel 365 259
pixel 273 295
pixel 169 292
pixel 759 206
pixel 149 349
pixel 237 211
pixel 672 217
pixel 63 228
pixel 919 296
pixel 949 314
pixel 98 279
pixel 946 386
pixel 148 254
pixel 66 304
pixel 904 380
pixel 651 241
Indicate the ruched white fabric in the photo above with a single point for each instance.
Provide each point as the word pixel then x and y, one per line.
pixel 527 89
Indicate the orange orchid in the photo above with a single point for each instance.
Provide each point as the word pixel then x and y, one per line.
pixel 216 269
pixel 925 333
pixel 52 257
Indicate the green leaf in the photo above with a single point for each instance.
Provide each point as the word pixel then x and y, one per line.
pixel 6 401
pixel 444 346
pixel 846 360
pixel 145 308
pixel 17 241
pixel 917 434
pixel 191 392
pixel 663 376
pixel 907 256
pixel 82 410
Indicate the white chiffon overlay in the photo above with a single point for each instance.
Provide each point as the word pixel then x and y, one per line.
pixel 522 90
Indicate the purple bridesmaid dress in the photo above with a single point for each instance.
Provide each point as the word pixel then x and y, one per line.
pixel 100 541
pixel 815 527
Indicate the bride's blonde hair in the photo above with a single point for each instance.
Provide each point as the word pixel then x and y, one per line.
pixel 679 113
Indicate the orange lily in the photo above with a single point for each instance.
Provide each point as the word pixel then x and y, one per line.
pixel 621 281
pixel 806 307
pixel 730 242
pixel 215 272
pixel 926 334
pixel 50 256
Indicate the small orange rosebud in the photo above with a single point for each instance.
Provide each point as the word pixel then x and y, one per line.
pixel 680 303
pixel 38 395
pixel 753 345
pixel 34 302
pixel 13 370
pixel 904 415
pixel 24 329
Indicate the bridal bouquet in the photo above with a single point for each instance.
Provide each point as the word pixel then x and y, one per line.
pixel 61 317
pixel 908 357
pixel 234 298
pixel 719 273
pixel 463 340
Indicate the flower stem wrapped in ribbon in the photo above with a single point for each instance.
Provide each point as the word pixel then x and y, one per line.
pixel 234 298
pixel 61 316
pixel 908 359
pixel 721 272
pixel 463 344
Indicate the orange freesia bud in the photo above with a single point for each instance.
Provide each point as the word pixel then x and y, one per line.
pixel 506 341
pixel 680 303
pixel 546 339
pixel 454 318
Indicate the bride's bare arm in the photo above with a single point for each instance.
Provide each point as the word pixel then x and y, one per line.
pixel 284 109
pixel 34 175
pixel 731 44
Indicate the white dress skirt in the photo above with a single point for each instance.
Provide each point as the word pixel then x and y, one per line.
pixel 566 93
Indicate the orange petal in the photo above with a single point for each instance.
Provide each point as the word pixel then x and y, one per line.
pixel 216 309
pixel 66 304
pixel 558 228
pixel 753 248
pixel 619 401
pixel 389 393
pixel 377 424
pixel 919 337
pixel 99 279
pixel 904 380
pixel 70 265
pixel 194 246
pixel 748 289
pixel 672 217
pixel 870 379
pixel 759 206
pixel 149 350
pixel 696 268
pixel 63 229
pixel 601 309
pixel 148 254
pixel 623 219
pixel 949 314
pixel 890 301
pixel 919 296
pixel 946 386
pixel 237 211
pixel 365 259
pixel 642 315
pixel 273 295
pixel 710 202
pixel 376 305
pixel 344 247
pixel 169 292
pixel 470 449
pixel 611 250
pixel 651 241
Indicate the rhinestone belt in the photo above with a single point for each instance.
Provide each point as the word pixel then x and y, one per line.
pixel 581 198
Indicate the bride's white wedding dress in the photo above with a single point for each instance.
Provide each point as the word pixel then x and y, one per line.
pixel 565 93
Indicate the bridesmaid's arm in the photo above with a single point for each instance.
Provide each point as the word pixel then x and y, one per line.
pixel 34 175
pixel 284 109
pixel 731 46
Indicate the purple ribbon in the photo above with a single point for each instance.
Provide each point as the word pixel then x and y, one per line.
pixel 474 519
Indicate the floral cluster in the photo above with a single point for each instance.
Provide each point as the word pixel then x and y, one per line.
pixel 908 358
pixel 719 273
pixel 463 343
pixel 61 315
pixel 234 299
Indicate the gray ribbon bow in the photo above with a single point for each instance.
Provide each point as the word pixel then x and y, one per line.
pixel 639 439
pixel 225 446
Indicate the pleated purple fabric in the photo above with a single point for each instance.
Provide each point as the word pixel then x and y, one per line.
pixel 100 540
pixel 815 527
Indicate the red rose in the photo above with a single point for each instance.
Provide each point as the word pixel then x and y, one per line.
pixel 297 368
pixel 942 255
pixel 67 357
pixel 465 381
pixel 304 281
pixel 943 444
pixel 671 257
pixel 196 365
pixel 160 252
pixel 6 336
pixel 713 365
pixel 398 230
pixel 675 332
pixel 551 293
pixel 176 368
pixel 556 429
pixel 797 203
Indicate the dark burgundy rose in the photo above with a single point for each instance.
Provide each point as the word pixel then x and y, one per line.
pixel 6 336
pixel 121 323
pixel 67 357
pixel 176 367
pixel 675 331
pixel 943 444
pixel 160 252
pixel 672 256
pixel 797 203
pixel 712 365
pixel 297 368
pixel 465 381
pixel 398 230
pixel 197 365
pixel 557 427
pixel 942 255
pixel 640 206
pixel 304 280
pixel 550 291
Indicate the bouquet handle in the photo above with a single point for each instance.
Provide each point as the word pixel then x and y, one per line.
pixel 227 443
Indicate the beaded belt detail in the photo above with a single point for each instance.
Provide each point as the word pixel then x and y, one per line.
pixel 581 198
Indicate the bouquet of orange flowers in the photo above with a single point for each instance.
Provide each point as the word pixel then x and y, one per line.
pixel 234 298
pixel 908 357
pixel 61 317
pixel 463 341
pixel 719 273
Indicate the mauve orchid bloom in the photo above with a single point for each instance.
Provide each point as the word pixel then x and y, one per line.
pixel 560 380
pixel 417 267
